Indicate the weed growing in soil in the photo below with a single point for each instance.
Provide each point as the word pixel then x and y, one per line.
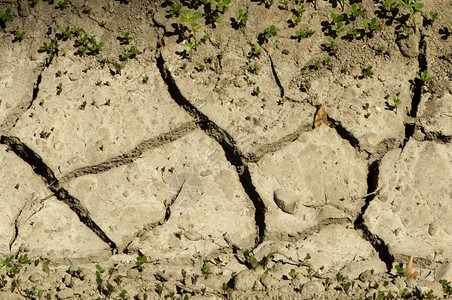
pixel 5 16
pixel 372 26
pixel 337 26
pixel 424 76
pixel 303 34
pixel 355 12
pixel 63 3
pixel 413 8
pixel 48 48
pixel 256 91
pixel 132 53
pixel 367 71
pixel 125 38
pixel 18 35
pixel 241 19
pixel 187 17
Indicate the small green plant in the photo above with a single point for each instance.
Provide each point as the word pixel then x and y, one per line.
pixel 18 35
pixel 396 102
pixel 270 31
pixel 315 65
pixel 447 288
pixel 66 32
pixel 200 67
pixel 63 3
pixel 331 46
pixel 429 294
pixel 125 37
pixel 297 14
pixel 292 273
pixel 141 260
pixel 354 33
pixel 187 17
pixel 413 8
pixel 83 106
pixel 205 270
pixel 250 260
pixel 5 16
pixel 132 53
pixel 222 5
pixel 159 290
pixel 391 5
pixel 118 67
pixel 256 91
pixel 309 273
pixel 87 8
pixel 254 68
pixel 372 26
pixel 145 79
pixel 424 76
pixel 48 48
pixel 303 34
pixel 307 85
pixel 242 18
pixel 405 294
pixel 175 10
pixel 255 51
pixel 122 295
pixel 355 12
pixel 337 26
pixel 102 23
pixel 367 71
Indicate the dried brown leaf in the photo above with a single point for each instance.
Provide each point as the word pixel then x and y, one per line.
pixel 321 117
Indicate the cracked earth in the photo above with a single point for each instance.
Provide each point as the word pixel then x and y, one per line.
pixel 187 166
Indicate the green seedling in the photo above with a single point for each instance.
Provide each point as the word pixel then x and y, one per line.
pixel 83 106
pixel 254 68
pixel 87 9
pixel 102 23
pixel 372 26
pixel 354 33
pixel 194 279
pixel 309 274
pixel 77 30
pixel 206 270
pixel 391 5
pixel 426 79
pixel 433 16
pixel 292 273
pixel 304 34
pixel 413 8
pixel 175 10
pixel 110 289
pixel 125 37
pixel 381 50
pixel 66 32
pixel 48 48
pixel 132 53
pixel 118 67
pixel 122 295
pixel 242 18
pixel 6 16
pixel 405 294
pixel 63 3
pixel 118 279
pixel 141 260
pixel 187 17
pixel 307 85
pixel 355 12
pixel 367 71
pixel 222 5
pixel 298 14
pixel 270 31
pixel 95 47
pixel 6 263
pixel 429 294
pixel 315 65
pixel 331 46
pixel 200 67
pixel 337 26
pixel 255 51
pixel 447 288
pixel 256 91
pixel 18 35
pixel 250 260
pixel 145 79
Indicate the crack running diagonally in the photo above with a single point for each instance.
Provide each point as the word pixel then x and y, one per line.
pixel 232 153
pixel 47 175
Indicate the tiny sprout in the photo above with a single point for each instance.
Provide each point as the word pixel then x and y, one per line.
pixel 256 91
pixel 270 31
pixel 242 18
pixel 255 67
pixel 292 273
pixel 256 51
pixel 18 35
pixel 123 294
pixel 145 79
pixel 59 89
pixel 63 3
pixel 159 289
pixel 200 67
pixel 83 106
pixel 87 8
pixel 140 261
pixel 125 38
pixel 205 270
pixel 102 23
pixel 367 71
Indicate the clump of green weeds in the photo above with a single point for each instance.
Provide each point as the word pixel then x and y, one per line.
pixel 48 48
pixel 337 26
pixel 304 34
pixel 88 44
pixel 5 16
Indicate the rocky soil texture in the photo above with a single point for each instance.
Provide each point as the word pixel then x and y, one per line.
pixel 225 149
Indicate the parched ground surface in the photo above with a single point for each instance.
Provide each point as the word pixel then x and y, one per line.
pixel 267 163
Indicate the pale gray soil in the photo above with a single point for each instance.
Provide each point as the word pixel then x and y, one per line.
pixel 211 173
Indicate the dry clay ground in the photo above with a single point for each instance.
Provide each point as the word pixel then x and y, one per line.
pixel 190 174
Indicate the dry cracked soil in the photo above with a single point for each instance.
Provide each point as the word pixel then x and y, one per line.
pixel 225 149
